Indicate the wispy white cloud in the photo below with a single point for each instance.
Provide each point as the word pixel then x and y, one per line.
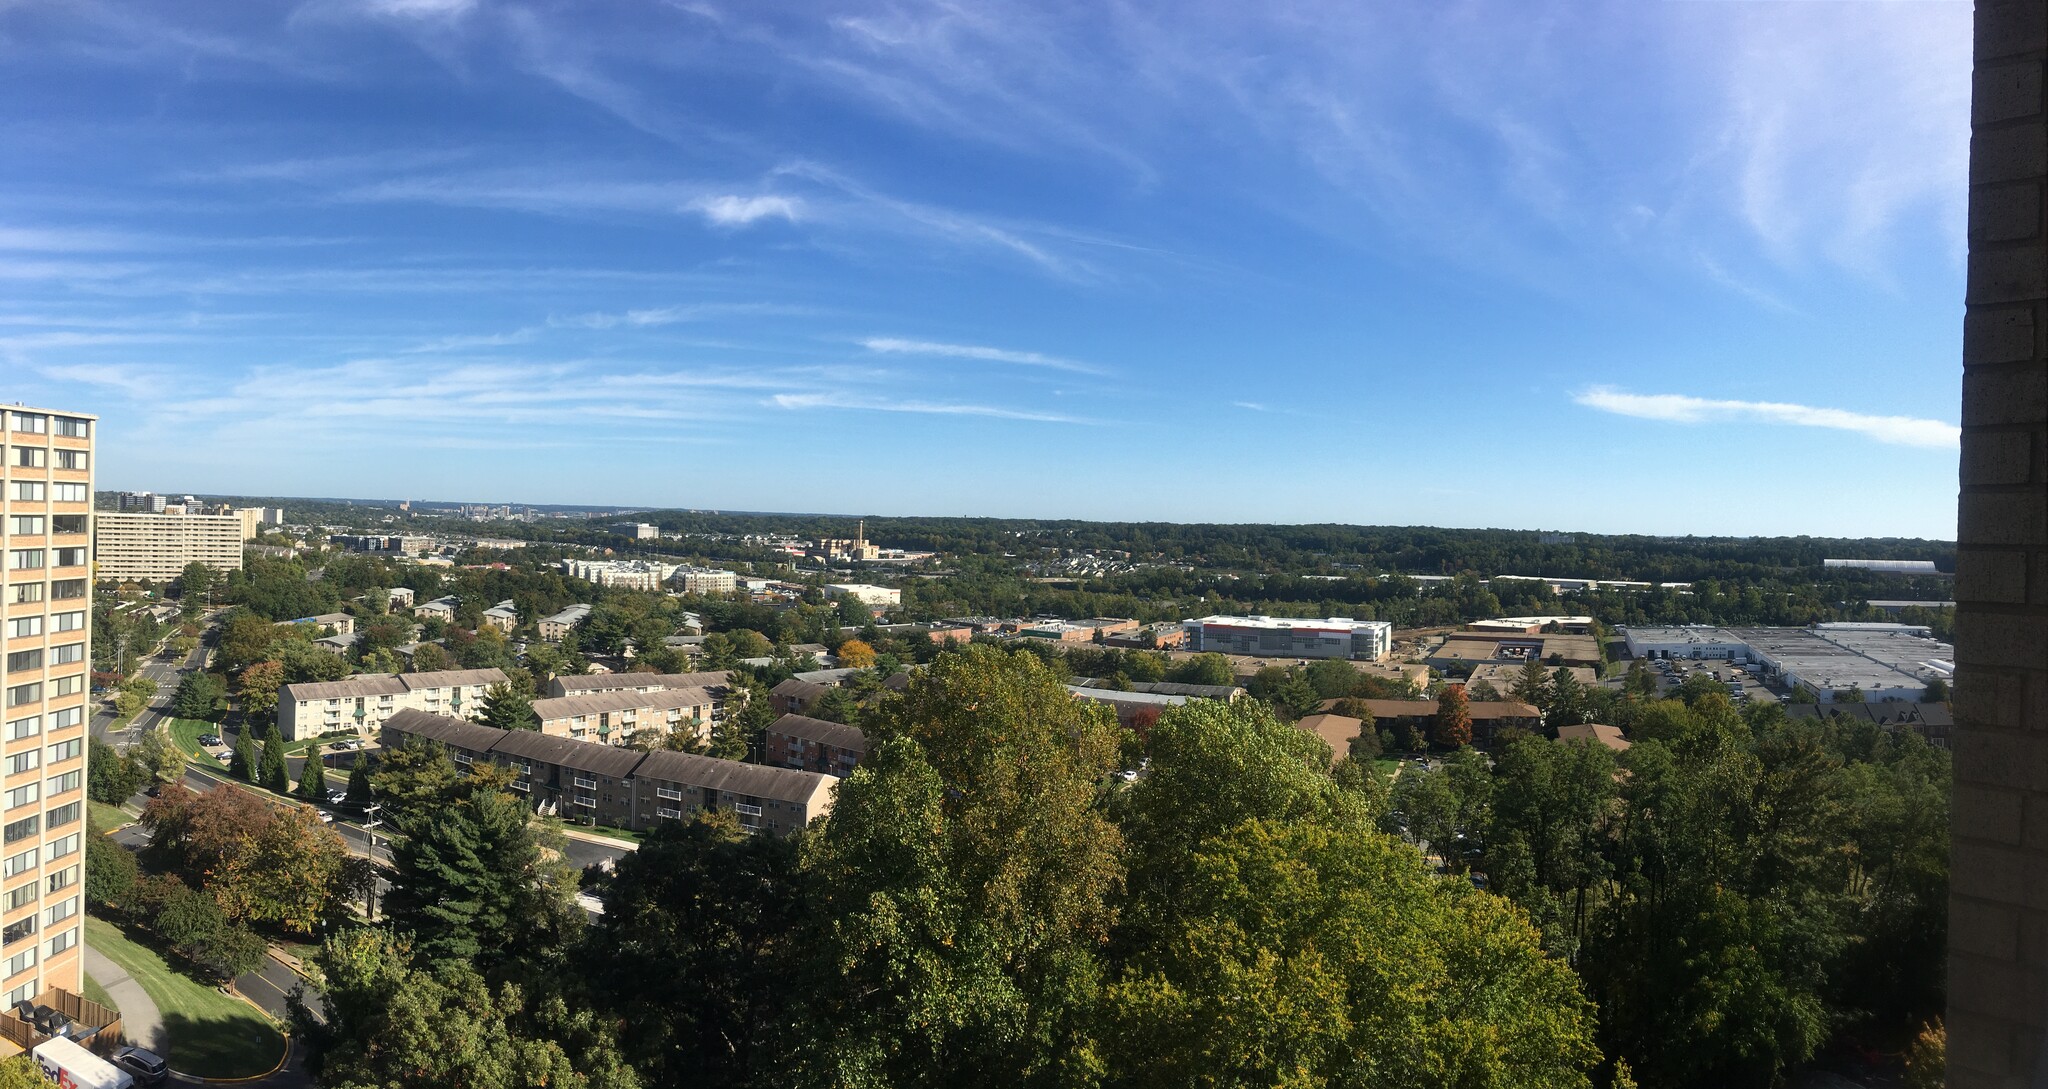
pixel 737 211
pixel 861 403
pixel 1680 408
pixel 900 346
pixel 481 340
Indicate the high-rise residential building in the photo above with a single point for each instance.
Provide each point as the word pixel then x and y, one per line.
pixel 46 614
pixel 157 547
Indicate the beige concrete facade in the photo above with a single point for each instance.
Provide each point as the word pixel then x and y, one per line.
pixel 1998 899
pixel 156 547
pixel 46 625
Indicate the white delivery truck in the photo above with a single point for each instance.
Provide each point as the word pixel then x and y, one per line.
pixel 73 1067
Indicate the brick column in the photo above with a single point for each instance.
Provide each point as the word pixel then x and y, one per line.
pixel 1998 905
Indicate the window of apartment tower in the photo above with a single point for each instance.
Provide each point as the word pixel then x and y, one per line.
pixel 71 427
pixel 32 423
pixel 28 457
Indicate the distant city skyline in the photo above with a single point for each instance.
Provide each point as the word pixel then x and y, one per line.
pixel 1663 269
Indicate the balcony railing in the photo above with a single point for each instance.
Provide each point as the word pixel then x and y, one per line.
pixel 587 801
pixel 586 784
pixel 745 810
pixel 669 814
pixel 666 794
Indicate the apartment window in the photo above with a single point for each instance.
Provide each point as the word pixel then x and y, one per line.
pixel 63 815
pixel 21 897
pixel 71 459
pixel 15 931
pixel 73 556
pixel 24 727
pixel 25 525
pixel 73 621
pixel 67 589
pixel 71 427
pixel 71 493
pixel 21 962
pixel 22 993
pixel 68 523
pixel 60 848
pixel 19 830
pixel 66 718
pixel 21 660
pixel 19 864
pixel 62 879
pixel 61 911
pixel 25 559
pixel 27 457
pixel 28 593
pixel 24 795
pixel 67 654
pixel 33 423
pixel 64 940
pixel 24 761
pixel 22 627
pixel 22 694
pixel 66 750
pixel 65 783
pixel 27 491
pixel 67 686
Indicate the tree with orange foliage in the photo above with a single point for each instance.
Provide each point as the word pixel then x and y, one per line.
pixel 1452 727
pixel 856 654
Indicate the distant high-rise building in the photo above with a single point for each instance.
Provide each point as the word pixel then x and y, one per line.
pixel 156 547
pixel 147 502
pixel 46 607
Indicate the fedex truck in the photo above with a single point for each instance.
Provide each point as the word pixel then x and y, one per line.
pixel 73 1067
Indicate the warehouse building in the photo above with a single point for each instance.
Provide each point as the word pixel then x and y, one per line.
pixel 1287 637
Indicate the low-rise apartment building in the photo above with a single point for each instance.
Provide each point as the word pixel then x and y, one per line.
pixel 441 608
pixel 625 787
pixel 611 718
pixel 623 574
pixel 363 703
pixel 814 744
pixel 794 697
pixel 704 580
pixel 342 623
pixel 504 616
pixel 553 629
pixel 583 684
pixel 136 547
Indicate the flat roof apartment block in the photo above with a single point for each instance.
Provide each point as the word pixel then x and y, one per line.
pixel 1289 637
pixel 156 547
pixel 46 615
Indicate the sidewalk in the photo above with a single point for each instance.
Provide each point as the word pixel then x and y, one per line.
pixel 141 1022
pixel 591 837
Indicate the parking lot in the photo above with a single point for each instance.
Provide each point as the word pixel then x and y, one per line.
pixel 1742 685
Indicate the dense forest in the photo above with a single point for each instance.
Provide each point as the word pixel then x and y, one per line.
pixel 997 899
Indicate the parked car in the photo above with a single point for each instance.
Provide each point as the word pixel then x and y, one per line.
pixel 336 797
pixel 209 739
pixel 147 1067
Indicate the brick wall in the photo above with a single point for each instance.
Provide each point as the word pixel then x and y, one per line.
pixel 1998 908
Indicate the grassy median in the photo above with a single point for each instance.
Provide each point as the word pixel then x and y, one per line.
pixel 209 1034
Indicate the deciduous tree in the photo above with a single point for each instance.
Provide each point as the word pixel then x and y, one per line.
pixel 1452 726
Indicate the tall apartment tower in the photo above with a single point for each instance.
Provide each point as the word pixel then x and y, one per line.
pixel 46 625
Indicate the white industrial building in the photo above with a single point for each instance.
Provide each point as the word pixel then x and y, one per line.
pixel 1288 637
pixel 864 593
pixel 1885 661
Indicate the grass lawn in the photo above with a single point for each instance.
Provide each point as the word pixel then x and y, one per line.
pixel 186 731
pixel 106 818
pixel 609 832
pixel 96 993
pixel 211 1035
pixel 1386 767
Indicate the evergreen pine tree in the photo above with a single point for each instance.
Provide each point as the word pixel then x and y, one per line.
pixel 359 782
pixel 275 774
pixel 313 780
pixel 242 765
pixel 507 708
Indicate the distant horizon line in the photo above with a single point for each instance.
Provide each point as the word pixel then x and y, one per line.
pixel 624 510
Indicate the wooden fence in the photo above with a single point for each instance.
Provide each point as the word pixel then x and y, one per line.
pixel 85 1015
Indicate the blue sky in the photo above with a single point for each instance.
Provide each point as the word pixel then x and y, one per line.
pixel 1627 267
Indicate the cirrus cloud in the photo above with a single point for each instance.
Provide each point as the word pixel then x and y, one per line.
pixel 1680 408
pixel 737 211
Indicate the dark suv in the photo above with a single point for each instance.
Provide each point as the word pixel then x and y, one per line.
pixel 147 1066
